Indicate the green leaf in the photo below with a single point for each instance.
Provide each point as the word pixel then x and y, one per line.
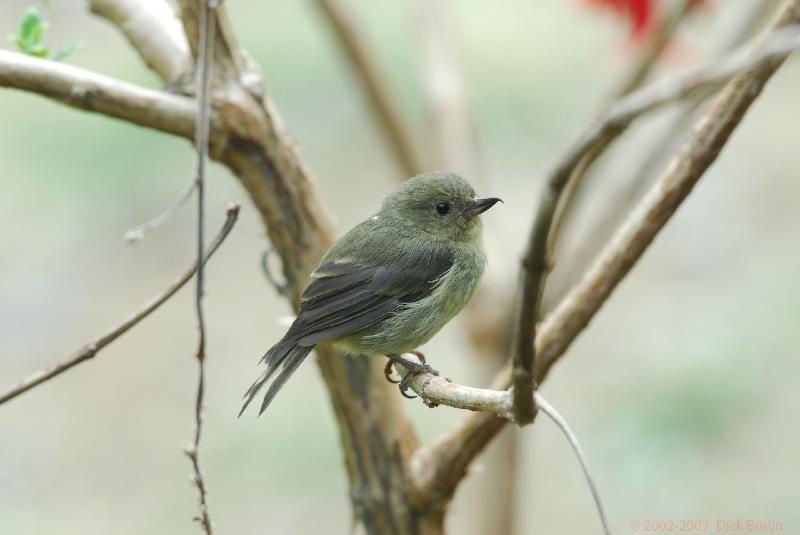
pixel 68 50
pixel 31 34
pixel 31 21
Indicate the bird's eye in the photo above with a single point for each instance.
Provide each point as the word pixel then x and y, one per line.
pixel 442 208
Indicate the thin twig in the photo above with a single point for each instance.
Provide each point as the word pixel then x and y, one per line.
pixel 137 233
pixel 543 405
pixel 204 57
pixel 92 348
pixel 441 466
pixel 398 136
pixel 281 287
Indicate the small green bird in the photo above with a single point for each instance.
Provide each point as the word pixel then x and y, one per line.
pixel 391 283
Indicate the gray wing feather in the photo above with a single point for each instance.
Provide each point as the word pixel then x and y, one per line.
pixel 345 296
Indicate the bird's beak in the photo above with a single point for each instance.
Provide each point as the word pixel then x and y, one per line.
pixel 481 205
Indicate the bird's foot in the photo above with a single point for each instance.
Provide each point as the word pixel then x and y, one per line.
pixel 387 372
pixel 421 356
pixel 413 369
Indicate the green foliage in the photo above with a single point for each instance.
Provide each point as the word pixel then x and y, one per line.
pixel 31 37
pixel 31 34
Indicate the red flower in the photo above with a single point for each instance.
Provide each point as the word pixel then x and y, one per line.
pixel 641 13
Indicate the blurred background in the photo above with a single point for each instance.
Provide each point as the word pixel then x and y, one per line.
pixel 682 389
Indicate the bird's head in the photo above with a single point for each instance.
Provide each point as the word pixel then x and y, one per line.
pixel 441 205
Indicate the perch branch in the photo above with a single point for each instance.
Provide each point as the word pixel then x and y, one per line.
pixel 92 348
pixel 436 389
pixel 441 466
pixel 153 30
pixel 346 27
pixel 205 47
pixel 537 260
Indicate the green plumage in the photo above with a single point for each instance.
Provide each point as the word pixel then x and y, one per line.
pixel 392 282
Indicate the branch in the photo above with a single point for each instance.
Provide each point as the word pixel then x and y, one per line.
pixel 153 30
pixel 536 261
pixel 441 466
pixel 92 348
pixel 94 92
pixel 203 80
pixel 436 389
pixel 346 28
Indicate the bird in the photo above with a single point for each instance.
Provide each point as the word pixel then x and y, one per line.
pixel 389 284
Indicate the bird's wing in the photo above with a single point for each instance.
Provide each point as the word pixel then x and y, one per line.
pixel 346 295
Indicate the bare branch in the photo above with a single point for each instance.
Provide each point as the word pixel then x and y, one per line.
pixel 92 348
pixel 90 91
pixel 399 138
pixel 280 286
pixel 436 389
pixel 443 464
pixel 203 81
pixel 153 29
pixel 536 262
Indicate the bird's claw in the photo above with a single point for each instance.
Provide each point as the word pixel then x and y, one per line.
pixel 413 369
pixel 404 386
pixel 387 372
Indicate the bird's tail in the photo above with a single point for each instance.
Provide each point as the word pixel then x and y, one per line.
pixel 282 361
